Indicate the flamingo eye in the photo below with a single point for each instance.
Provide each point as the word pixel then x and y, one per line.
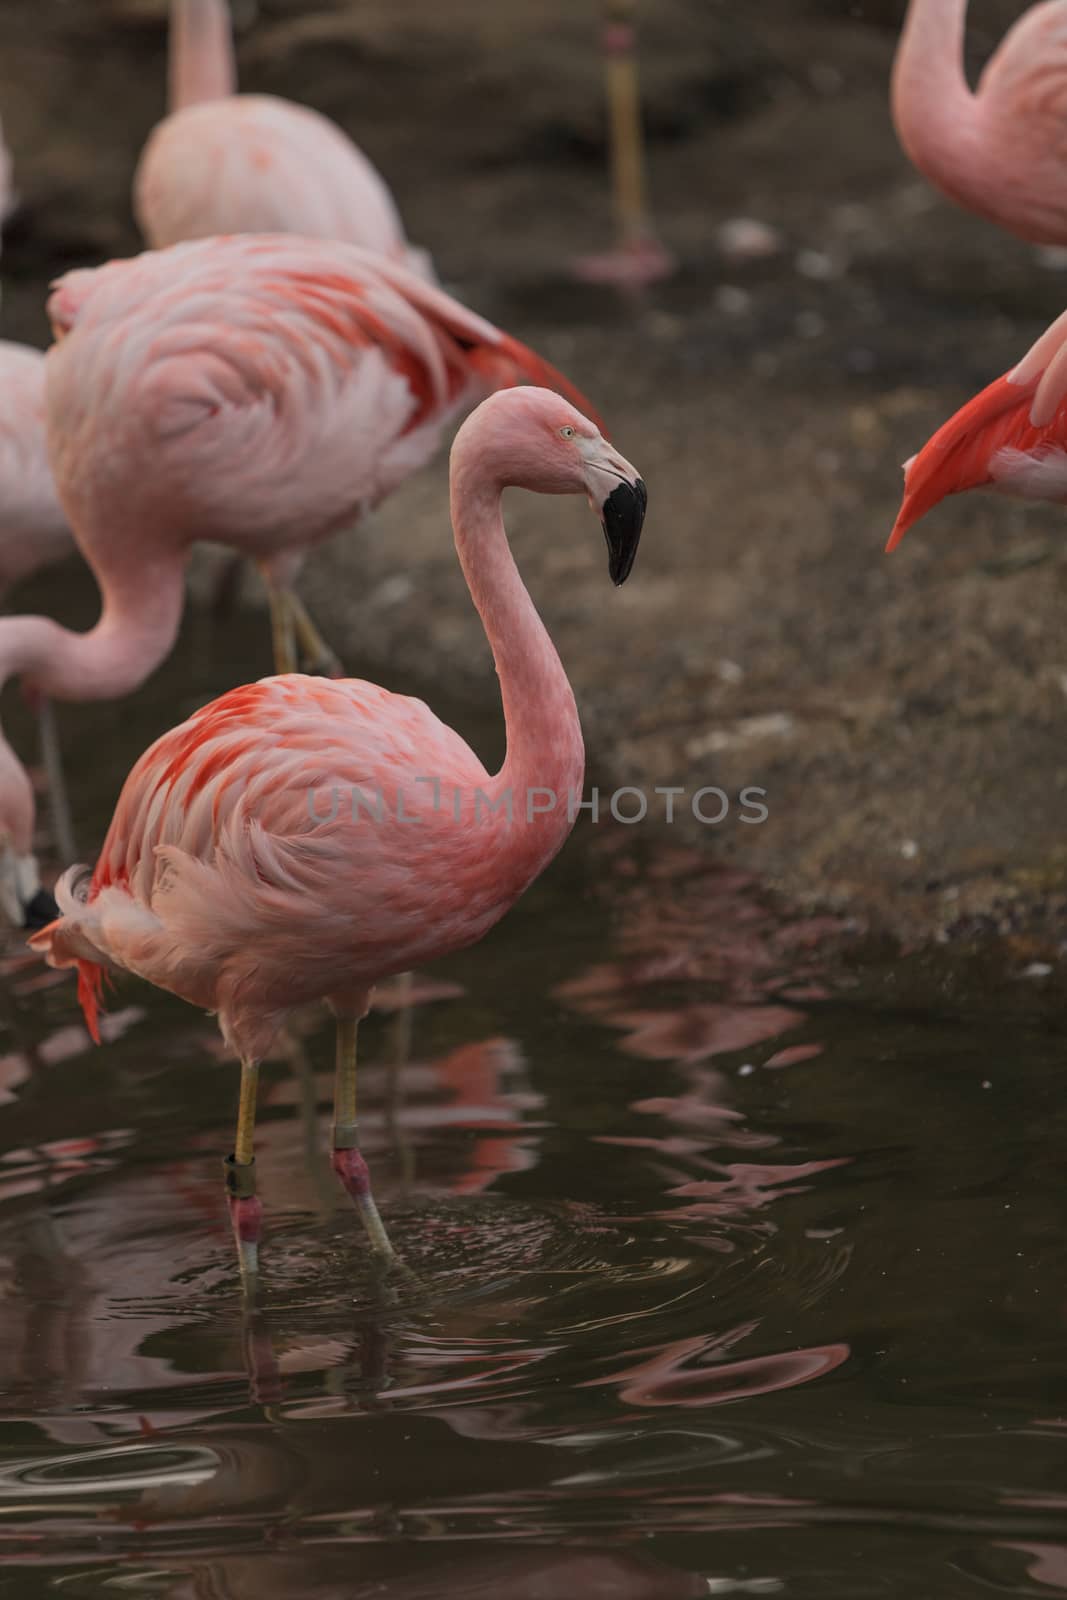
pixel 566 432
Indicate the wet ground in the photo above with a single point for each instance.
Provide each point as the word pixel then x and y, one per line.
pixel 737 1231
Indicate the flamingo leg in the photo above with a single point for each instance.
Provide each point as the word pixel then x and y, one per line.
pixel 246 1209
pixel 348 1162
pixel 403 1029
pixel 282 630
pixel 319 659
pixel 52 761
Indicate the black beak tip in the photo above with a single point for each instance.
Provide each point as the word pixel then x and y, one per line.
pixel 623 516
pixel 40 911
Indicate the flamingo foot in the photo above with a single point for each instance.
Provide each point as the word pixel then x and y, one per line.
pixel 354 1173
pixel 634 265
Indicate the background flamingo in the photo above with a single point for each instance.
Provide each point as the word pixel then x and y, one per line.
pixel 228 163
pixel 261 392
pixel 1000 152
pixel 238 871
pixel 1011 438
pixel 33 534
pixel 638 258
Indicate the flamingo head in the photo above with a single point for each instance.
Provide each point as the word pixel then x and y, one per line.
pixel 529 438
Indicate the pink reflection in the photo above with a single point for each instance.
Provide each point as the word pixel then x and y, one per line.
pixel 695 1032
pixel 673 1377
pixel 1046 1563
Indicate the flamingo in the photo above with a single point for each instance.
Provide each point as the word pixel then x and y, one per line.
pixel 639 258
pixel 221 162
pixel 33 534
pixel 1000 152
pixel 301 838
pixel 261 392
pixel 1011 438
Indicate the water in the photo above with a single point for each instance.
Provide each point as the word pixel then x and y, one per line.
pixel 737 1266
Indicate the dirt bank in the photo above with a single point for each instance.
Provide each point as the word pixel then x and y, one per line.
pixel 906 716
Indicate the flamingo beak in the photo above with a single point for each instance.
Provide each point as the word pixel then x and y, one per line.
pixel 623 516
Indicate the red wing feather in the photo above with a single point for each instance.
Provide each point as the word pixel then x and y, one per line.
pixel 958 456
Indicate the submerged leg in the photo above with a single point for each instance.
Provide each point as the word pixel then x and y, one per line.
pixel 52 761
pixel 348 1162
pixel 246 1210
pixel 318 658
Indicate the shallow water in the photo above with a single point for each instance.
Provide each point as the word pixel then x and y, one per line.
pixel 735 1270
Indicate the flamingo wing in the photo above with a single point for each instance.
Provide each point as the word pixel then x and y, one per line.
pixel 261 836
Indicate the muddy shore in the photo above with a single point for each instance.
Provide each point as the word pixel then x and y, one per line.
pixel 906 716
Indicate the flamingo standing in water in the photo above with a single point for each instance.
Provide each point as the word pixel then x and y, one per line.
pixel 33 534
pixel 1002 151
pixel 223 162
pixel 300 839
pixel 260 392
pixel 1011 438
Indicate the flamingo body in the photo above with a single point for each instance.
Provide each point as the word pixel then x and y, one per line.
pixel 223 162
pixel 33 529
pixel 261 392
pixel 1000 151
pixel 1011 438
pixel 231 877
pixel 259 164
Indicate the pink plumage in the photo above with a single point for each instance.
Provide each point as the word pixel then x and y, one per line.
pixel 33 529
pixel 221 162
pixel 298 839
pixel 1010 438
pixel 1000 151
pixel 262 392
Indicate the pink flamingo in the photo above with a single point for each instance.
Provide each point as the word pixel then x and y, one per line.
pixel 300 838
pixel 261 392
pixel 33 534
pixel 639 258
pixel 221 162
pixel 1011 438
pixel 1000 152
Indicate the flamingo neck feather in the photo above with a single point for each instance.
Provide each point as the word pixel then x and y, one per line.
pixel 544 736
pixel 136 631
pixel 934 109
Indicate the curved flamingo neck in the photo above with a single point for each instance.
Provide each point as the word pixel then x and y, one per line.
pixel 201 62
pixel 136 630
pixel 934 109
pixel 544 736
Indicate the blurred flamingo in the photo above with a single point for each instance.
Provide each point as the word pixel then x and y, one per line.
pixel 260 392
pixel 639 258
pixel 1000 152
pixel 221 162
pixel 33 534
pixel 242 870
pixel 7 193
pixel 1011 438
